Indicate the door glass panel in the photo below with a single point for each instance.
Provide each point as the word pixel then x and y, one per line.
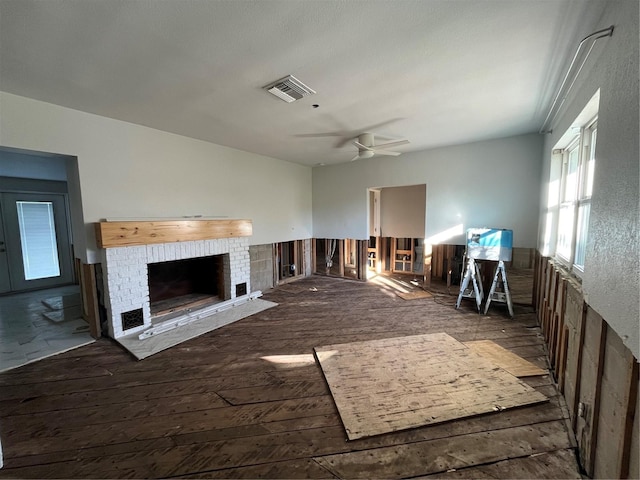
pixel 38 240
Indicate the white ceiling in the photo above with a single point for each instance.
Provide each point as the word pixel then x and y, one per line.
pixel 437 72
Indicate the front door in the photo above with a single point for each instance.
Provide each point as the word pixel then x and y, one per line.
pixel 36 241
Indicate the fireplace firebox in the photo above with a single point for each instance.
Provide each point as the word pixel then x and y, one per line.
pixel 185 284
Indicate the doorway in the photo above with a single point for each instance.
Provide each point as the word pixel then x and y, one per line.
pixel 35 249
pixel 397 221
pixel 40 307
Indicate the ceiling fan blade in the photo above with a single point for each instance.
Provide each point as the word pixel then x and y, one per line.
pixel 361 146
pixel 393 144
pixel 346 141
pixel 333 128
pixel 349 136
pixel 371 128
pixel 355 158
pixel 386 152
pixel 318 135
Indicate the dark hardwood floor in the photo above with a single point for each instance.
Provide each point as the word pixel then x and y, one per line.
pixel 248 400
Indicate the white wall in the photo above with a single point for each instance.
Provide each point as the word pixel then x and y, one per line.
pixel 495 183
pixel 131 171
pixel 612 266
pixel 402 211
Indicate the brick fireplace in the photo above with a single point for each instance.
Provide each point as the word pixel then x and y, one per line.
pixel 127 266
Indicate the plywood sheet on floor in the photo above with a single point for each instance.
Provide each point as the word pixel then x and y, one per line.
pixel 144 348
pixel 414 295
pixel 382 386
pixel 509 361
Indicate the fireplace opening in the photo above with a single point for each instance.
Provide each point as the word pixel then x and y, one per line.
pixel 182 285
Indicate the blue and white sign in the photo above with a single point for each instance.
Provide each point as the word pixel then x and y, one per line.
pixel 489 244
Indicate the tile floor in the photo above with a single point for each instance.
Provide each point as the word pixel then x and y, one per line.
pixel 26 335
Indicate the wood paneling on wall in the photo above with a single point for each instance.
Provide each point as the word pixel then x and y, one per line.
pixel 590 389
pixel 634 460
pixel 617 408
pixel 89 296
pixel 574 318
pixel 596 372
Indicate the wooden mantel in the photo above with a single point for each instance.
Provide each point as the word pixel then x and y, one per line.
pixel 130 233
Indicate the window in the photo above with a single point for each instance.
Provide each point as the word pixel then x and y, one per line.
pixel 576 186
pixel 38 240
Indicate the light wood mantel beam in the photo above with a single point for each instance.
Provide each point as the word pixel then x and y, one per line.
pixel 130 233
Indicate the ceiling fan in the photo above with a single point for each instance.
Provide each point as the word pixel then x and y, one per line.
pixel 367 147
pixel 346 134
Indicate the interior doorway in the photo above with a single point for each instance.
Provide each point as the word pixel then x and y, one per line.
pixel 40 306
pixel 397 225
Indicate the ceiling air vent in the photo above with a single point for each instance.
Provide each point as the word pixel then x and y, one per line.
pixel 289 89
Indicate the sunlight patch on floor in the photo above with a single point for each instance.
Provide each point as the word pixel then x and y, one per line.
pixel 391 283
pixel 300 359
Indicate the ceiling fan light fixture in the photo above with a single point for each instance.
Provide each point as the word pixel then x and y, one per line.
pixel 367 147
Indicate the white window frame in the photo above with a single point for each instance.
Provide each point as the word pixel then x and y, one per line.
pixel 572 237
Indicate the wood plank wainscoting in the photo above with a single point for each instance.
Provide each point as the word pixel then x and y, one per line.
pixel 89 297
pixel 596 373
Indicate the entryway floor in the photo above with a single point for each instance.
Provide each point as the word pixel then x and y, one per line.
pixel 26 335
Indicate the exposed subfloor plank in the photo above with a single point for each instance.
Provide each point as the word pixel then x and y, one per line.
pixel 249 401
pixel 554 464
pixel 422 458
